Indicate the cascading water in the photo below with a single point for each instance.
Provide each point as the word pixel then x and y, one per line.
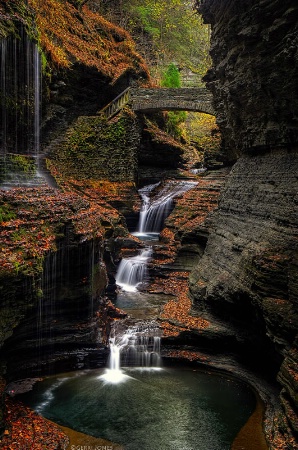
pixel 20 82
pixel 155 210
pixel 133 271
pixel 37 98
pixel 137 346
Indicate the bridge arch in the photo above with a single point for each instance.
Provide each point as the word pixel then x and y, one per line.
pixel 171 99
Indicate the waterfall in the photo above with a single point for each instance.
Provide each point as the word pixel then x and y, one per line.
pixel 20 83
pixel 3 130
pixel 37 98
pixel 138 346
pixel 133 271
pixel 155 210
pixel 20 112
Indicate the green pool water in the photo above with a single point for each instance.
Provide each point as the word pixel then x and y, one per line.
pixel 154 409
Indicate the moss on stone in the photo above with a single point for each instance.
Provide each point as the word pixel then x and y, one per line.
pixel 95 148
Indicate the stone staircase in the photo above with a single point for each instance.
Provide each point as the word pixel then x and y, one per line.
pixel 24 171
pixel 112 108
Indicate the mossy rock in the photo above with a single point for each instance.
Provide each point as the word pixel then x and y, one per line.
pixel 95 148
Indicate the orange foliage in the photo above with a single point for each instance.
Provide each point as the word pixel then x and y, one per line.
pixel 189 355
pixel 41 214
pixel 29 431
pixel 104 192
pixel 175 316
pixel 70 36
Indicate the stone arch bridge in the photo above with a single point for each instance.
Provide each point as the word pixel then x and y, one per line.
pixel 162 99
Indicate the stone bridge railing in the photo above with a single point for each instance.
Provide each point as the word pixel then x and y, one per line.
pixel 166 99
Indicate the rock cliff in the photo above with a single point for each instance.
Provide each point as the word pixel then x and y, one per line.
pixel 52 277
pixel 254 74
pixel 247 276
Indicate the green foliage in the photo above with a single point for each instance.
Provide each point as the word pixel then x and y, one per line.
pixel 203 133
pixel 19 234
pixel 97 148
pixel 175 120
pixel 14 13
pixel 22 163
pixel 176 30
pixel 145 13
pixel 171 77
pixel 7 213
pixel 17 164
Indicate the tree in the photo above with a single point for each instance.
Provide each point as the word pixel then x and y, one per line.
pixel 174 28
pixel 171 77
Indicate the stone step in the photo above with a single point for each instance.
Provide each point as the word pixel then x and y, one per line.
pixel 24 171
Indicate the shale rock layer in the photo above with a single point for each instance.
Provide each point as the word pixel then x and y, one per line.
pixel 254 75
pixel 247 277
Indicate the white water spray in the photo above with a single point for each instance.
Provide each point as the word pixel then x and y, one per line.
pixel 155 210
pixel 133 271
pixel 138 346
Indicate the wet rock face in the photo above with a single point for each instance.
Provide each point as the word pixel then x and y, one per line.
pixel 52 278
pixel 254 75
pixel 247 276
pixel 59 330
pixel 248 273
pixel 252 251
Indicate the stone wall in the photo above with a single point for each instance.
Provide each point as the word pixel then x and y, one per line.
pixel 52 277
pixel 95 148
pixel 58 331
pixel 172 99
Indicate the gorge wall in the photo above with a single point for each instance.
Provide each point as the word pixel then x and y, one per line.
pixel 254 74
pixel 52 278
pixel 248 273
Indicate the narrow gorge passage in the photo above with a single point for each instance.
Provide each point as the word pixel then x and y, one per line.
pixel 142 310
pixel 154 397
pixel 143 337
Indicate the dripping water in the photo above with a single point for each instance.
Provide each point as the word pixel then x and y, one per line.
pixel 20 124
pixel 20 75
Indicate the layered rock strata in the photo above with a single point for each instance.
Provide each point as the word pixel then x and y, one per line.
pixel 247 276
pixel 254 75
pixel 52 277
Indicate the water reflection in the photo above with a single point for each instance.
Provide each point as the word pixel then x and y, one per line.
pixel 168 409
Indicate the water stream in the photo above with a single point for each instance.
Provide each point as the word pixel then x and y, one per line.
pixel 134 401
pixel 157 205
pixel 133 271
pixel 139 345
pixel 137 401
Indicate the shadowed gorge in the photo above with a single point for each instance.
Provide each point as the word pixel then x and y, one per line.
pixel 137 264
pixel 248 273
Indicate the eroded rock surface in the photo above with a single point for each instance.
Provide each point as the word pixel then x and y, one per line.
pixel 254 74
pixel 247 277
